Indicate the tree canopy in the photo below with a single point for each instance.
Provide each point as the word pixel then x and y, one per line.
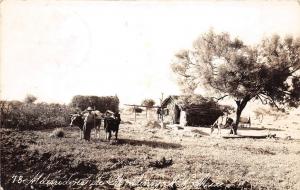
pixel 149 103
pixel 268 71
pixel 30 99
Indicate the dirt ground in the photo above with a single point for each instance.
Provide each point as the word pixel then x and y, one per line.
pixel 147 156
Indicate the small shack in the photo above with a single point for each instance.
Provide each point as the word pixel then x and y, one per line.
pixel 191 110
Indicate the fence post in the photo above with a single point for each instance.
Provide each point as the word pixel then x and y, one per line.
pixel 134 113
pixel 146 112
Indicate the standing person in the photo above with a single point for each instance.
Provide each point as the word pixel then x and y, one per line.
pixel 89 122
pixel 118 117
pixel 158 112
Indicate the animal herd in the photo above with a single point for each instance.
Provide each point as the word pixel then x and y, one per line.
pixel 110 120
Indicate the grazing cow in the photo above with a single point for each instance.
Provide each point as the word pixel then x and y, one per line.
pixel 245 122
pixel 111 123
pixel 221 122
pixel 78 120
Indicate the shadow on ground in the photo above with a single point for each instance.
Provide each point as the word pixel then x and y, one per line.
pixel 258 129
pixel 153 144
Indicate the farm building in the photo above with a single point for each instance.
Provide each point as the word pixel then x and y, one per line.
pixel 191 110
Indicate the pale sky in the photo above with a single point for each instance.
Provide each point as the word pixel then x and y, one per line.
pixel 58 49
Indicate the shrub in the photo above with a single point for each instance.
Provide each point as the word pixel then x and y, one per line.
pixel 58 133
pixel 153 124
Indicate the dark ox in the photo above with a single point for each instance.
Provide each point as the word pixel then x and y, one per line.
pixel 111 124
pixel 78 120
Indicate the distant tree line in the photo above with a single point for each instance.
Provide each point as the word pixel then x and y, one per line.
pixel 29 115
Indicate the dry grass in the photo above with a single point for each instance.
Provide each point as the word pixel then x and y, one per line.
pixel 264 163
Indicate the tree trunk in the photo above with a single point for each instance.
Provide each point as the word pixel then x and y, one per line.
pixel 240 107
pixel 238 116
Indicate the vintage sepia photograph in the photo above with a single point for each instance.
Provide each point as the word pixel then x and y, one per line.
pixel 146 95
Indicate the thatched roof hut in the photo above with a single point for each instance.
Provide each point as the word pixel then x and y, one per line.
pixel 191 110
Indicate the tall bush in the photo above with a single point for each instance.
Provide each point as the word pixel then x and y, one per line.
pixel 15 114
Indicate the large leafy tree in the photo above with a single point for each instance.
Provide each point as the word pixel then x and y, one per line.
pixel 268 72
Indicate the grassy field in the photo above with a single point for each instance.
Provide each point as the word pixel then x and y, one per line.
pixel 194 159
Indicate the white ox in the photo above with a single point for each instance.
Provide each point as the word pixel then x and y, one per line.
pixel 227 122
pixel 219 123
